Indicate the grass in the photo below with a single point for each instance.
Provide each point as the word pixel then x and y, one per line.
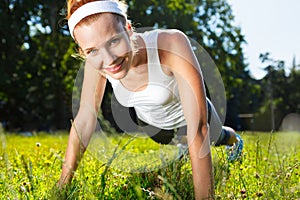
pixel 138 168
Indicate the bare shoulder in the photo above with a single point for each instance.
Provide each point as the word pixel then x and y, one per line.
pixel 175 50
pixel 172 40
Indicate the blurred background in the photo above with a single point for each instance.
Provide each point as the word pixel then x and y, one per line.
pixel 37 69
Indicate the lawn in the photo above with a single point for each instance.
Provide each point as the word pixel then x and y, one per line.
pixel 127 167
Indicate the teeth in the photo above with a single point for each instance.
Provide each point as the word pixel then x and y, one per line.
pixel 114 67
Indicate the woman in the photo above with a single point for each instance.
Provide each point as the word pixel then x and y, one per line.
pixel 154 72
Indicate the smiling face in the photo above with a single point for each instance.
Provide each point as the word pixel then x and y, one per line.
pixel 106 45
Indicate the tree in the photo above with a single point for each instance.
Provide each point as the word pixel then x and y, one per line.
pixel 211 24
pixel 15 34
pixel 36 79
pixel 38 71
pixel 281 93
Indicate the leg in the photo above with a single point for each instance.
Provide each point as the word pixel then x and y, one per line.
pixel 219 135
pixel 232 135
pixel 158 135
pixel 223 135
pixel 227 137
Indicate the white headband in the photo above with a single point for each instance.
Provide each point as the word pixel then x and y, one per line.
pixel 94 8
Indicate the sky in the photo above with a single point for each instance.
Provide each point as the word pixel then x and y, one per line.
pixel 268 26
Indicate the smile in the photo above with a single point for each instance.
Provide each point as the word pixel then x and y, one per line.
pixel 115 68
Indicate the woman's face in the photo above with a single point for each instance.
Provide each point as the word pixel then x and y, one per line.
pixel 106 45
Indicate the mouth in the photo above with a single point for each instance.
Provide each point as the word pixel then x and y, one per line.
pixel 115 68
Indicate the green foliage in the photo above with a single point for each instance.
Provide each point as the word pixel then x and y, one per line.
pixel 38 72
pixel 14 34
pixel 211 24
pixel 269 170
pixel 280 93
pixel 36 79
pixel 31 167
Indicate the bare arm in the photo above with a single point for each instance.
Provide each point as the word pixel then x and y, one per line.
pixel 84 123
pixel 178 55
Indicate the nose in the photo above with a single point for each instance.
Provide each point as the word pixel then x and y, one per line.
pixel 108 57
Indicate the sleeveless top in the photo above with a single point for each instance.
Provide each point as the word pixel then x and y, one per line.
pixel 159 103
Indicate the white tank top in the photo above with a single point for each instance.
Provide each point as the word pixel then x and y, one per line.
pixel 159 103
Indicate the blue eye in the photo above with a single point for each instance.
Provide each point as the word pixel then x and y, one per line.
pixel 92 52
pixel 114 41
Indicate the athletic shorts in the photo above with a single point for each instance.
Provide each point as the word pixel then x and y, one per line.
pixel 163 136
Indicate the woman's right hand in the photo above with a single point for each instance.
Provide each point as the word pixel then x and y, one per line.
pixel 84 124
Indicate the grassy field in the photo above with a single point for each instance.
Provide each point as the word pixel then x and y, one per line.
pixel 30 167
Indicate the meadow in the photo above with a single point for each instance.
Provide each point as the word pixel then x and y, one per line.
pixel 130 168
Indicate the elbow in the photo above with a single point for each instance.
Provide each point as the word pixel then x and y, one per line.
pixel 83 127
pixel 204 129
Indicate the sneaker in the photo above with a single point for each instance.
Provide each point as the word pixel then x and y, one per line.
pixel 234 152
